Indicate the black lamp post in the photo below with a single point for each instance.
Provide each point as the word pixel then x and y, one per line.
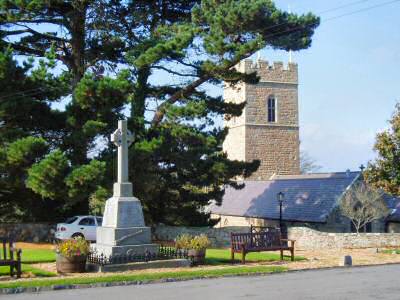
pixel 281 197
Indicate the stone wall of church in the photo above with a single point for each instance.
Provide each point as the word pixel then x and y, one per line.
pixel 232 221
pixel 287 103
pixel 235 94
pixel 393 227
pixel 336 223
pixel 277 148
pixel 234 144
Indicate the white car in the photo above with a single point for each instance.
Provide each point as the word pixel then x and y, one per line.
pixel 83 226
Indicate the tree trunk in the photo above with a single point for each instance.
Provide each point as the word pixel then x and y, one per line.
pixel 77 24
pixel 78 68
pixel 138 103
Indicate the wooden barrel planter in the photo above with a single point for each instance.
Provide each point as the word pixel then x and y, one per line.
pixel 75 264
pixel 198 257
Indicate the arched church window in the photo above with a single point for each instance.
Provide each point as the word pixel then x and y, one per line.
pixel 271 109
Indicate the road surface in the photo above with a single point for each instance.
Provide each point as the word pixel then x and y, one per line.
pixel 381 282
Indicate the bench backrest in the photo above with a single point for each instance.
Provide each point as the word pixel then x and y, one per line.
pixel 7 249
pixel 282 231
pixel 239 239
pixel 269 238
pixel 258 229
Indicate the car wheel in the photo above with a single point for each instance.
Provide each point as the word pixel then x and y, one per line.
pixel 78 235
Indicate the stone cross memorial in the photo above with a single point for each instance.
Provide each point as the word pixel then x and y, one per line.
pixel 123 230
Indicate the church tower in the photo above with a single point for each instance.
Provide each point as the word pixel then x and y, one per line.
pixel 268 129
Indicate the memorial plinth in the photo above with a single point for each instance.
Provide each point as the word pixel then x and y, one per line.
pixel 123 231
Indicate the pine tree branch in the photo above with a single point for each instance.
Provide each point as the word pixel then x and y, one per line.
pixel 173 72
pixel 42 35
pixel 189 89
pixel 186 64
pixel 25 50
pixel 13 32
pixel 183 93
pixel 41 21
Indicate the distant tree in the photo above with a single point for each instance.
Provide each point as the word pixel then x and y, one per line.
pixel 308 164
pixel 97 201
pixel 363 204
pixel 384 171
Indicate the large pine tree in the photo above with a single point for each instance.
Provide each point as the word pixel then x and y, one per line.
pixel 152 59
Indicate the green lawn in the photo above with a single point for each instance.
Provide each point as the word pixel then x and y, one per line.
pixel 29 258
pixel 191 273
pixel 5 270
pixel 38 255
pixel 390 251
pixel 32 256
pixel 223 256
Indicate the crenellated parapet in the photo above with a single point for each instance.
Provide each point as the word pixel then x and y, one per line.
pixel 276 72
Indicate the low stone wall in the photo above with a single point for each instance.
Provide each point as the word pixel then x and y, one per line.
pixel 28 232
pixel 219 237
pixel 307 238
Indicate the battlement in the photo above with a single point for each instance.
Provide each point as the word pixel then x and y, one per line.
pixel 277 72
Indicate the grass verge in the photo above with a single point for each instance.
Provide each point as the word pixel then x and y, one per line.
pixel 223 256
pixel 146 277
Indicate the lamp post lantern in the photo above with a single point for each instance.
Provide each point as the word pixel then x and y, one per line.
pixel 281 198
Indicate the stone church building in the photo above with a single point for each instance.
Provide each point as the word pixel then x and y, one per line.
pixel 268 130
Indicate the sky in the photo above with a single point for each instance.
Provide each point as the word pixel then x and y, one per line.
pixel 349 80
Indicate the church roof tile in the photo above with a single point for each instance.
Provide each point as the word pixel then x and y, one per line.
pixel 308 198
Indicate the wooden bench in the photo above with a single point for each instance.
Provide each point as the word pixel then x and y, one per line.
pixel 11 257
pixel 267 239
